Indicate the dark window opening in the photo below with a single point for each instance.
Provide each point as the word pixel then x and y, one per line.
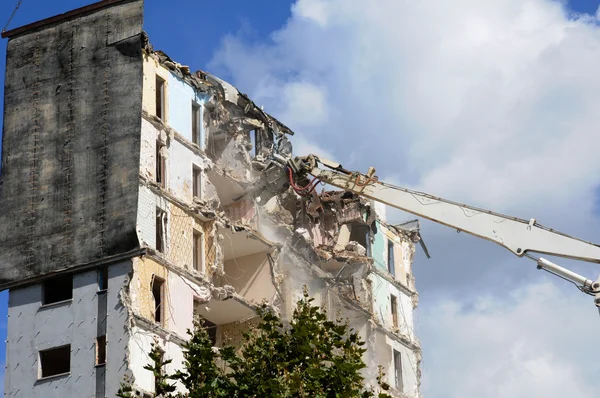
pixel 398 371
pixel 57 289
pixel 390 256
pixel 263 142
pixel 158 294
pixel 361 234
pixel 102 279
pixel 197 181
pixel 161 165
pixel 160 97
pixel 196 124
pixel 55 361
pixel 394 309
pixel 161 227
pixel 211 329
pixel 101 350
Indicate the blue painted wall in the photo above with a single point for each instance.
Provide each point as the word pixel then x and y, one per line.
pixel 180 97
pixel 379 248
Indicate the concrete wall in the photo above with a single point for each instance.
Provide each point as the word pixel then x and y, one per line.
pixel 151 69
pixel 179 294
pixel 148 201
pixel 382 290
pixel 409 367
pixel 402 252
pixel 32 328
pixel 179 96
pixel 180 230
pixel 180 103
pixel 179 161
pixel 73 103
pixel 251 277
pixel 139 348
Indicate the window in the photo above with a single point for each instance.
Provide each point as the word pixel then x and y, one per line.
pixel 398 371
pixel 391 265
pixel 160 97
pixel 57 289
pixel 196 124
pixel 161 229
pixel 55 361
pixel 197 181
pixel 101 350
pixel 210 327
pixel 198 251
pixel 361 234
pixel 158 287
pixel 394 309
pixel 102 279
pixel 161 165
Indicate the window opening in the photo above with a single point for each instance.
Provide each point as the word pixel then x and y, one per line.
pixel 57 289
pixel 160 97
pixel 211 328
pixel 55 361
pixel 360 234
pixel 101 350
pixel 398 371
pixel 197 181
pixel 102 279
pixel 394 309
pixel 161 165
pixel 158 295
pixel 196 123
pixel 198 251
pixel 161 229
pixel 390 255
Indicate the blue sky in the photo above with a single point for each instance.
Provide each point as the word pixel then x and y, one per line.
pixel 218 33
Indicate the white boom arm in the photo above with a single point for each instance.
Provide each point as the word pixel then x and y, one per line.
pixel 517 235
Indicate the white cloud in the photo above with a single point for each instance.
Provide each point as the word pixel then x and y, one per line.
pixel 305 104
pixel 314 10
pixel 492 103
pixel 533 344
pixel 485 100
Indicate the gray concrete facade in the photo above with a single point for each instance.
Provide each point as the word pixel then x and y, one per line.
pixel 33 327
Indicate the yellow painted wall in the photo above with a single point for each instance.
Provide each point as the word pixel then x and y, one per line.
pixel 141 291
pixel 151 69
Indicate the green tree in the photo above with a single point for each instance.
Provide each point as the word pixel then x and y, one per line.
pixel 310 357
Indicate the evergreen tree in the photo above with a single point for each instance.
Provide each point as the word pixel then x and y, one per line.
pixel 310 357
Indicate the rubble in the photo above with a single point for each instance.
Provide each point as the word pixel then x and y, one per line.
pixel 268 241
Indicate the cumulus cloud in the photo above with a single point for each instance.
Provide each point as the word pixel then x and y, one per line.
pixel 534 343
pixel 492 103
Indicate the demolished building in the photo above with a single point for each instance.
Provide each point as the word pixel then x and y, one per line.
pixel 137 194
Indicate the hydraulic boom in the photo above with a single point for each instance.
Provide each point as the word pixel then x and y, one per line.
pixel 521 237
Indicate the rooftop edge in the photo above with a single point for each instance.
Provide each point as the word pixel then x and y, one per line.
pixel 61 17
